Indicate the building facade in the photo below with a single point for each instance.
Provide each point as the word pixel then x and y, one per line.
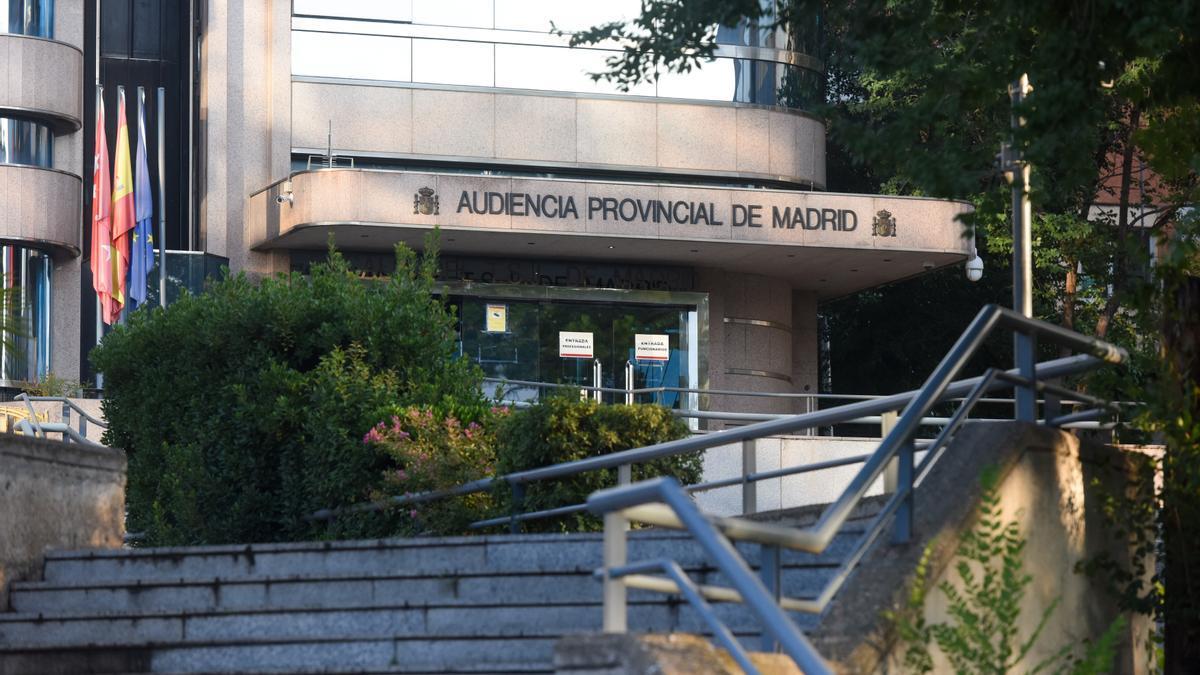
pixel 681 232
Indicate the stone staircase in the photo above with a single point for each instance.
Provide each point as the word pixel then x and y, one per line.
pixel 487 604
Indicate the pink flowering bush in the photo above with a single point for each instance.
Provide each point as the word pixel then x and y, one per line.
pixel 425 450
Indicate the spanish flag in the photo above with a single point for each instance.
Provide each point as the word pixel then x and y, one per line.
pixel 101 217
pixel 123 209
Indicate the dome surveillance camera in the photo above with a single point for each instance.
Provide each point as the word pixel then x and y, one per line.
pixel 927 266
pixel 285 193
pixel 975 268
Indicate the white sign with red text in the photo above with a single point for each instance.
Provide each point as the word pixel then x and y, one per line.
pixel 574 345
pixel 651 347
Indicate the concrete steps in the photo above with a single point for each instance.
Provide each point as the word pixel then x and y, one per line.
pixel 438 605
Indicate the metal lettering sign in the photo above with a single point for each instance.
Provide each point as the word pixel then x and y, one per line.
pixel 574 345
pixel 651 347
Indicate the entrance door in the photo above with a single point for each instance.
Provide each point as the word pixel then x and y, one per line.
pixel 522 343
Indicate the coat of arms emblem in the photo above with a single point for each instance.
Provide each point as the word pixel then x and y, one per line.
pixel 884 225
pixel 425 202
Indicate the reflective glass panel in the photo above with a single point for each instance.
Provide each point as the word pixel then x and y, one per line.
pixel 477 13
pixel 368 57
pixel 453 62
pixel 27 17
pixel 24 314
pixel 384 10
pixel 506 43
pixel 567 15
pixel 25 142
pixel 557 69
pixel 519 340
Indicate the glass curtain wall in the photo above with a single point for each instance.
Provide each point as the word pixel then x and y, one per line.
pixel 24 315
pixel 519 340
pixel 26 142
pixel 509 44
pixel 34 18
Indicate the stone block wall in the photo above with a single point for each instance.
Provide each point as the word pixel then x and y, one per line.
pixel 56 495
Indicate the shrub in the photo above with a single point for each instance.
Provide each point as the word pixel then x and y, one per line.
pixel 242 409
pixel 429 451
pixel 560 429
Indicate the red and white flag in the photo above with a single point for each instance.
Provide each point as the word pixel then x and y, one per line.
pixel 102 276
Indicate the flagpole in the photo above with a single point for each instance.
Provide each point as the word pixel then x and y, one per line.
pixel 99 102
pixel 160 122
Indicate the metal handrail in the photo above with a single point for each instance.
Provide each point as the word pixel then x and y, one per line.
pixel 1055 368
pixel 754 594
pixel 535 384
pixel 33 427
pixel 65 401
pixel 663 502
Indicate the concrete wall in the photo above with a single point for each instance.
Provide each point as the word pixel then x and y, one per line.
pixel 56 495
pixel 68 156
pixel 509 126
pixel 1045 485
pixel 818 487
pixel 244 121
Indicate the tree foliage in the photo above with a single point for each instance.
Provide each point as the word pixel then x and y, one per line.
pixel 562 429
pixel 242 409
pixel 916 103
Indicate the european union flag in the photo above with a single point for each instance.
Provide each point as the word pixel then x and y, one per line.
pixel 141 252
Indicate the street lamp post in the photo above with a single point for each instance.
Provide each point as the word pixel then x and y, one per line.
pixel 1016 171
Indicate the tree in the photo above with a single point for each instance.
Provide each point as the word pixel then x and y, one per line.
pixel 1117 87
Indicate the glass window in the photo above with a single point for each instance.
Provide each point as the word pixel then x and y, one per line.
pixel 506 43
pixel 557 69
pixel 24 314
pixel 568 15
pixel 476 13
pixel 27 17
pixel 383 10
pixel 345 55
pixel 524 345
pixel 25 142
pixel 453 62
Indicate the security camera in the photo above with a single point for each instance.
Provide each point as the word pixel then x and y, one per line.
pixel 975 268
pixel 927 266
pixel 285 193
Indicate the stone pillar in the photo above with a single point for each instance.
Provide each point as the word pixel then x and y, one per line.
pixel 750 339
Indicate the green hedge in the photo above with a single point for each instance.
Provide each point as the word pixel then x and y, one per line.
pixel 561 429
pixel 243 409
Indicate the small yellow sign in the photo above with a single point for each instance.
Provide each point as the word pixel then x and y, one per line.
pixel 497 319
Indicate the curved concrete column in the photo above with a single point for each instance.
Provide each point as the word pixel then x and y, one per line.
pixel 40 207
pixel 750 339
pixel 41 80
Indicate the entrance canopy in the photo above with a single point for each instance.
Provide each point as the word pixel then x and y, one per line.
pixel 832 244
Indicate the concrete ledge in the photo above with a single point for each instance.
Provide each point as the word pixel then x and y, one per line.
pixel 670 654
pixel 56 495
pixel 1044 479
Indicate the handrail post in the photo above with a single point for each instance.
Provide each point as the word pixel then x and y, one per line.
pixel 66 414
pixel 625 474
pixel 597 381
pixel 887 422
pixel 518 504
pixel 615 555
pixel 1026 394
pixel 903 527
pixel 770 569
pixel 1052 407
pixel 628 382
pixel 749 466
